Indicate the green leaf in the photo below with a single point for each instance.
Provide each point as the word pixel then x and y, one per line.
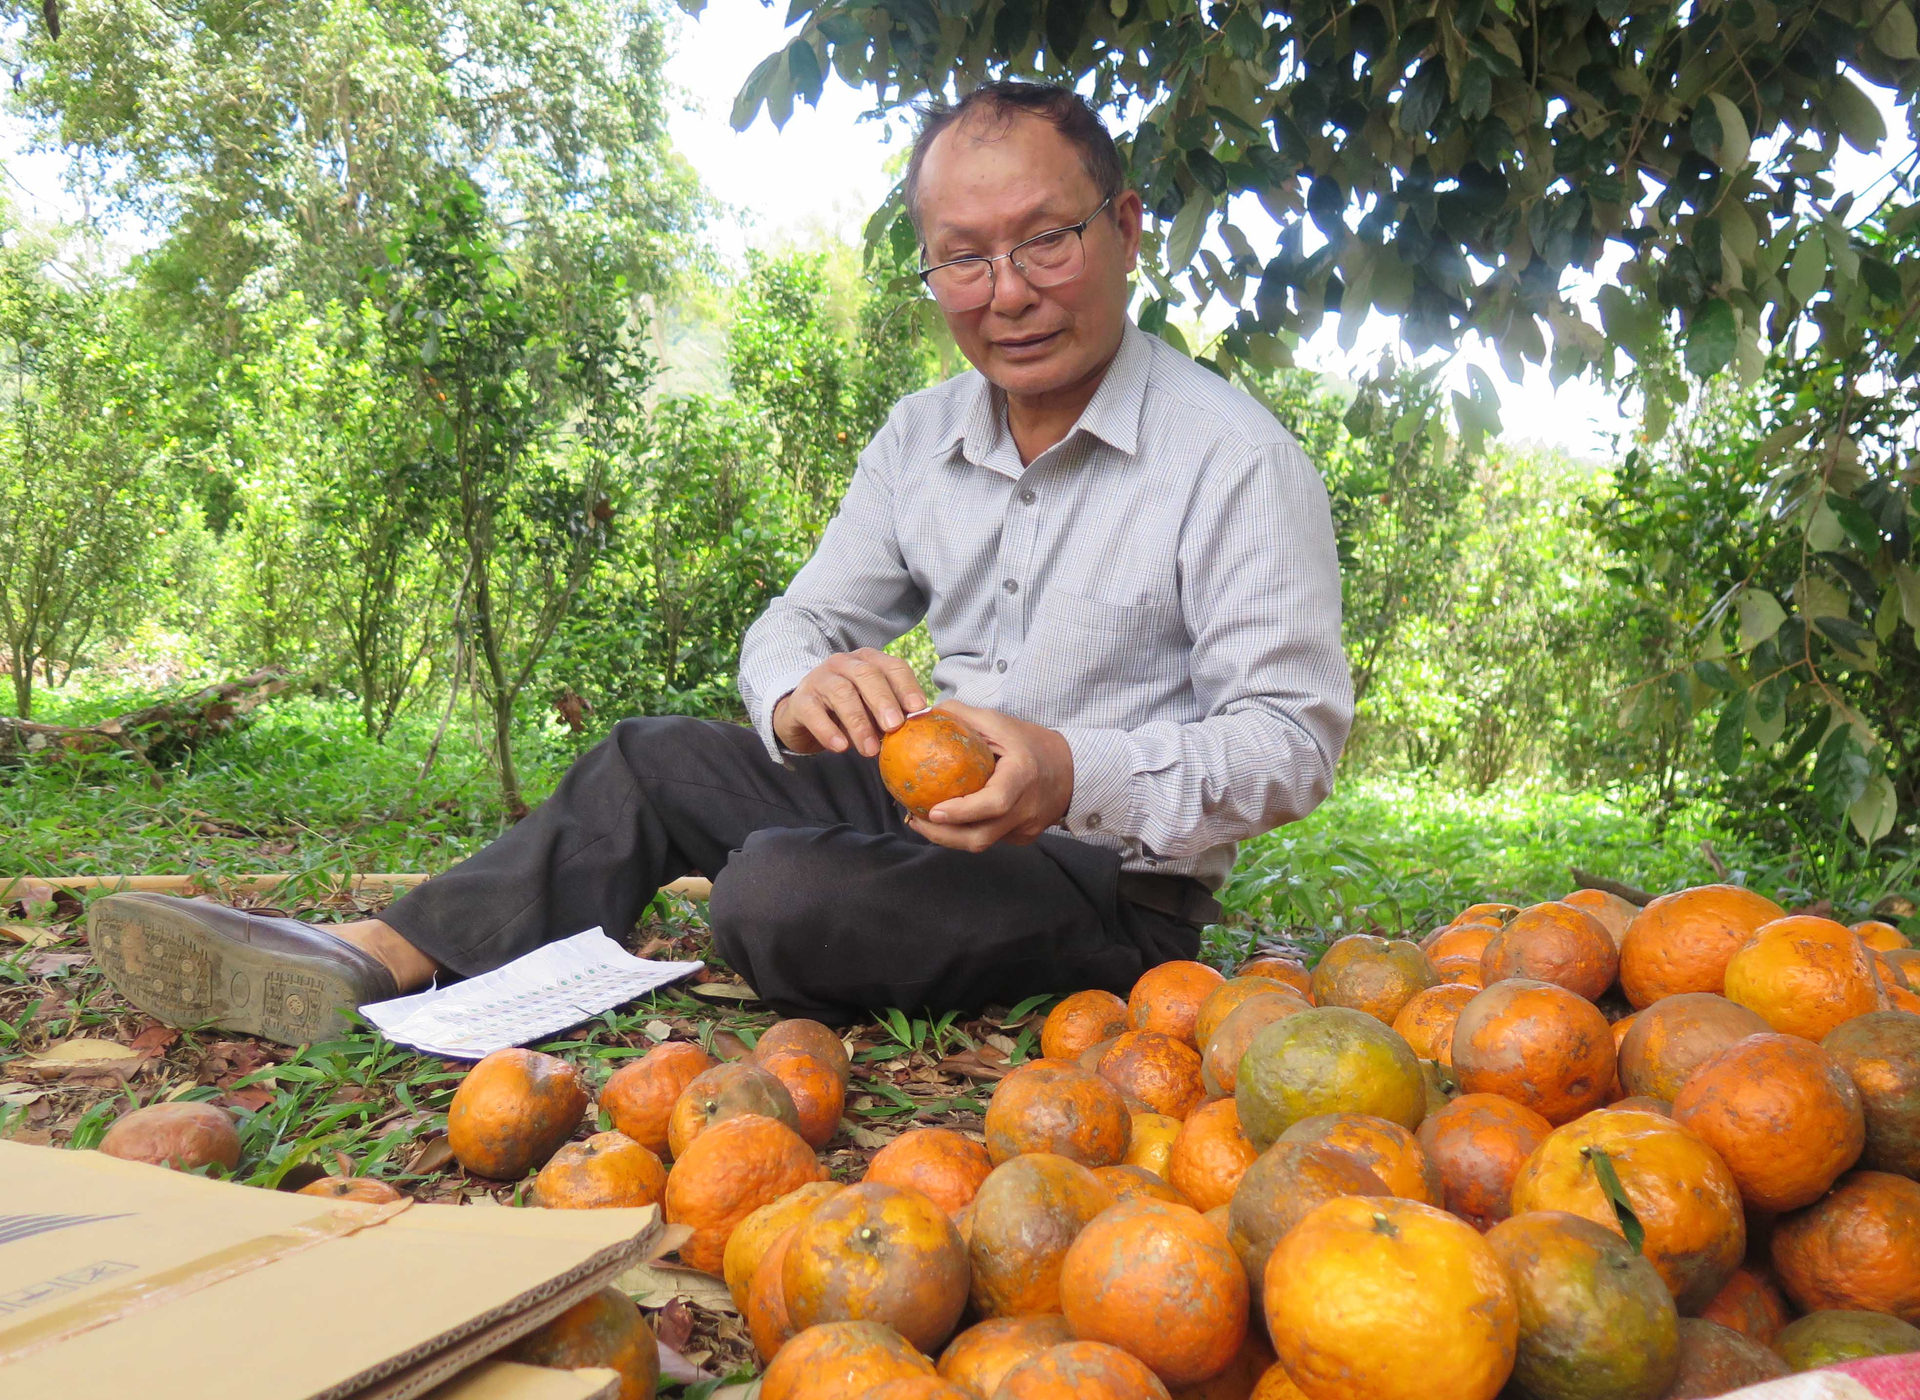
pixel 1188 226
pixel 1616 1195
pixel 1860 121
pixel 1729 734
pixel 803 69
pixel 1893 32
pixel 1908 582
pixel 1766 716
pixel 1730 153
pixel 1807 274
pixel 754 91
pixel 1711 339
pixel 1840 773
pixel 1872 816
pixel 1760 616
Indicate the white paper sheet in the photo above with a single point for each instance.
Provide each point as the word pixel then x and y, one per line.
pixel 555 986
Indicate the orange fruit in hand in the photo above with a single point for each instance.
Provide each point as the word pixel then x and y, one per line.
pixel 1537 1044
pixel 1167 998
pixel 602 1329
pixel 1083 1370
pixel 1289 972
pixel 1151 1145
pixel 1749 1304
pixel 1554 943
pixel 1386 1149
pixel 1880 936
pixel 1158 1280
pixel 1081 1022
pixel 1857 1247
pixel 1220 1056
pixel 513 1109
pixel 937 1162
pixel 1613 912
pixel 1715 1360
pixel 980 1357
pixel 1682 942
pixel 1681 1192
pixel 1124 1183
pixel 1428 1020
pixel 1393 1300
pixel 1374 975
pixel 1052 1106
pixel 1026 1215
pixel 1228 995
pixel 818 1092
pixel 1595 1319
pixel 1478 1143
pixel 753 1237
pixel 726 1174
pixel 878 1253
pixel 1880 1052
pixel 1675 1036
pixel 814 1037
pixel 730 1090
pixel 834 1360
pixel 1281 1188
pixel 1159 1071
pixel 933 758
pixel 1781 1113
pixel 1804 976
pixel 640 1095
pixel 1210 1155
pixel 608 1169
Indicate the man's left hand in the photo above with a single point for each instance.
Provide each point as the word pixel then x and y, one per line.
pixel 1031 787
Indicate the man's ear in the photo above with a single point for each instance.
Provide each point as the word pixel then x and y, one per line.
pixel 1128 214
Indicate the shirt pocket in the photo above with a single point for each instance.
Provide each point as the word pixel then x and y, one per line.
pixel 1115 665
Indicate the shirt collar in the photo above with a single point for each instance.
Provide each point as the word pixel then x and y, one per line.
pixel 1112 415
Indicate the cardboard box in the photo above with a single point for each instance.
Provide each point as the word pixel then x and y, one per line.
pixel 118 1279
pixel 509 1380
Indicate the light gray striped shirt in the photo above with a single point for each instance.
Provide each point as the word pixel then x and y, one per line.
pixel 1160 587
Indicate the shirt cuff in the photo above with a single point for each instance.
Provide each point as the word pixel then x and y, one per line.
pixel 1102 782
pixel 763 726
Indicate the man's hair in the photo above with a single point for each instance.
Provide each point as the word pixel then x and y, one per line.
pixel 1000 103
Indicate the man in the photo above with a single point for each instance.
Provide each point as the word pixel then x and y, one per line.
pixel 1127 568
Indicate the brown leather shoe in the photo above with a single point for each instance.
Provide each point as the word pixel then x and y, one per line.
pixel 193 964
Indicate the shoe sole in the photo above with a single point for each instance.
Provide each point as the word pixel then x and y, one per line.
pixel 187 974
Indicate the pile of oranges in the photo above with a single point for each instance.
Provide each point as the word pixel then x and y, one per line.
pixel 1577 1151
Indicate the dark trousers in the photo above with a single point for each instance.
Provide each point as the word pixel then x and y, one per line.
pixel 823 899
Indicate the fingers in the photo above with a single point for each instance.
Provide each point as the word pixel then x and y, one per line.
pixel 806 710
pixel 996 800
pixel 899 676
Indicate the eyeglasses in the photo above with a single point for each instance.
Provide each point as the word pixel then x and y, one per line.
pixel 1045 260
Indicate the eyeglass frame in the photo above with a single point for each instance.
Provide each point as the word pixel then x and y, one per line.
pixel 1079 230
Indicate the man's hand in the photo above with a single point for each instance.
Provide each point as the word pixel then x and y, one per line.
pixel 1031 787
pixel 852 698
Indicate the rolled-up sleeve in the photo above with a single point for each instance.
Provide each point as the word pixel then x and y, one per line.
pixel 856 591
pixel 1260 595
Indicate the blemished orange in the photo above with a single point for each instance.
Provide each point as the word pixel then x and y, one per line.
pixel 1124 1183
pixel 1081 1022
pixel 878 1253
pixel 1478 1143
pixel 511 1111
pixel 1371 974
pixel 1682 1192
pixel 731 1089
pixel 369 1189
pixel 602 1329
pixel 1857 1247
pixel 754 1236
pixel 1890 973
pixel 1084 1371
pixel 1715 1360
pixel 1881 1054
pixel 1682 942
pixel 1459 941
pixel 933 758
pixel 1804 975
pixel 1159 1071
pixel 1386 1149
pixel 1220 1056
pixel 1555 943
pixel 1167 998
pixel 1210 1155
pixel 1151 1144
pixel 1428 1020
pixel 1276 1384
pixel 1782 1114
pixel 1537 1044
pixel 1243 1373
pixel 1675 1036
pixel 1496 913
pixel 918 1388
pixel 1053 1106
pixel 980 1357
pixel 834 1360
pixel 818 1092
pixel 1282 1187
pixel 1224 998
pixel 1460 968
pixel 726 1174
pixel 1025 1216
pixel 1391 1300
pixel 1613 912
pixel 1290 972
pixel 1158 1280
pixel 1749 1304
pixel 607 1170
pixel 1620 1029
pixel 1880 935
pixel 640 1095
pixel 815 1037
pixel 765 1312
pixel 939 1163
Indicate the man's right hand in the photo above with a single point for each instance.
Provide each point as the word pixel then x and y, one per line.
pixel 852 699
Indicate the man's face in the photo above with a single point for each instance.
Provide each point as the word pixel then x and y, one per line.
pixel 988 184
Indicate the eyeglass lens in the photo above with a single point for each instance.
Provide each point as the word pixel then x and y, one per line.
pixel 1046 261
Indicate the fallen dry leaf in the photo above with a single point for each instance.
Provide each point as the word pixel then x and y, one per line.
pixel 156 1039
pixel 47 964
pixel 81 1050
pixel 432 1155
pixel 673 1324
pixel 675 1367
pixel 252 1099
pixel 33 935
pixel 655 1285
pixel 975 1064
pixel 728 1046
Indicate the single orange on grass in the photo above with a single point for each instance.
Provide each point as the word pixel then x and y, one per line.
pixel 1167 998
pixel 608 1169
pixel 1082 1021
pixel 814 1037
pixel 818 1092
pixel 510 1113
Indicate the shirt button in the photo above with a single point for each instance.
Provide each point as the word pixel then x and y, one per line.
pixel 1027 497
pixel 1000 666
pixel 1011 586
pixel 1093 821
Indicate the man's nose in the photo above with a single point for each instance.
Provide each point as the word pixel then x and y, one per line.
pixel 1012 293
